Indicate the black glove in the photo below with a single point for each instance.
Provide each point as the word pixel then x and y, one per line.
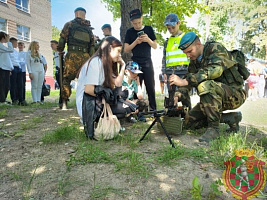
pixel 104 92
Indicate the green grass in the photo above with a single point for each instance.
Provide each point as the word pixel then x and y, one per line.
pixel 128 157
pixel 132 163
pixel 103 192
pixel 3 112
pixel 64 134
pixel 89 153
pixel 132 135
pixel 31 123
pixel 169 156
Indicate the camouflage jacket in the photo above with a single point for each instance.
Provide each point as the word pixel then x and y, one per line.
pixel 215 64
pixel 65 35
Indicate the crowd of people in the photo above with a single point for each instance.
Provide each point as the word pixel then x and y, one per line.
pixel 103 74
pixel 256 85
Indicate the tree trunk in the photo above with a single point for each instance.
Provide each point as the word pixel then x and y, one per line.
pixel 126 7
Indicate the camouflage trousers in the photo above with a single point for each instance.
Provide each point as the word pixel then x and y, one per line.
pixel 73 62
pixel 215 97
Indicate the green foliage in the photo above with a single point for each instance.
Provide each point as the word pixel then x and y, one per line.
pixel 263 142
pixel 238 24
pixel 55 33
pixel 196 189
pixel 214 189
pixel 226 145
pixel 154 13
pixel 223 148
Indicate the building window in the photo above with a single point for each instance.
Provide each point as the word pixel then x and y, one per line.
pixel 22 5
pixel 23 33
pixel 3 25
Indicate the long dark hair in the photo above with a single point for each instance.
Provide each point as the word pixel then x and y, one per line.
pixel 110 68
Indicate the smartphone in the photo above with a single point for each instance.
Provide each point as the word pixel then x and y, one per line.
pixel 140 33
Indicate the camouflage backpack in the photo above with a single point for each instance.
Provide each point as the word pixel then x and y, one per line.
pixel 239 57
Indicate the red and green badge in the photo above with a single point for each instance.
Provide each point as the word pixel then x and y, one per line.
pixel 244 175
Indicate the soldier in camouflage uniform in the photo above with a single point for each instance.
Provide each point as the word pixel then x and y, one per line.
pixel 106 28
pixel 80 40
pixel 218 82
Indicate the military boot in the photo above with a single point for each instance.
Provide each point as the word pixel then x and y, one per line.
pixel 210 134
pixel 232 119
pixel 64 104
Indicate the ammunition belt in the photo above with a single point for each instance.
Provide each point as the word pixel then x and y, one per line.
pixel 77 48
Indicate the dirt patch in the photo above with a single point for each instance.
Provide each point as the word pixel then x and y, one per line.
pixel 31 169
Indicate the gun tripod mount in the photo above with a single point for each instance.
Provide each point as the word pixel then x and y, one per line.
pixel 157 114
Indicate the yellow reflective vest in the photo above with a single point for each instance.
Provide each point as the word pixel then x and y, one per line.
pixel 174 55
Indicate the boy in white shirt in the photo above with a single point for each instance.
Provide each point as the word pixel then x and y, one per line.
pixel 22 61
pixel 5 66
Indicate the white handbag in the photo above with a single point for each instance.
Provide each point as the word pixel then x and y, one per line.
pixel 108 125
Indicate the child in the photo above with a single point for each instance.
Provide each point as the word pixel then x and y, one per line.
pixel 140 39
pixel 5 66
pixel 132 84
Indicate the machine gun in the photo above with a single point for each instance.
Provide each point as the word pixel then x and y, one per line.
pixel 174 112
pixel 157 114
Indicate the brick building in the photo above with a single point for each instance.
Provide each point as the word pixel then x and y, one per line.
pixel 30 20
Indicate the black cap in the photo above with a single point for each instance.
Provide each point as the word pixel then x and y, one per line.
pixel 135 14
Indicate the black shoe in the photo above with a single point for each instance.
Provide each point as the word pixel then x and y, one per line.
pixel 141 118
pixel 15 102
pixel 210 134
pixel 23 103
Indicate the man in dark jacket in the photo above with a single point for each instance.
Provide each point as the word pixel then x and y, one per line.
pixel 80 39
pixel 219 84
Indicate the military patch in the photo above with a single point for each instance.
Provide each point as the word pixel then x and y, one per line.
pixel 244 175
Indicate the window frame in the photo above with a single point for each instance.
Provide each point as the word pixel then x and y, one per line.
pixel 22 7
pixel 22 36
pixel 5 24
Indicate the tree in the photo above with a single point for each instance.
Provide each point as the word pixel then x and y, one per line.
pixel 239 24
pixel 55 33
pixel 125 7
pixel 154 13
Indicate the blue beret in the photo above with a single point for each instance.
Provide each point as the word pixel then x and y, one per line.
pixel 80 8
pixel 105 26
pixel 171 19
pixel 187 40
